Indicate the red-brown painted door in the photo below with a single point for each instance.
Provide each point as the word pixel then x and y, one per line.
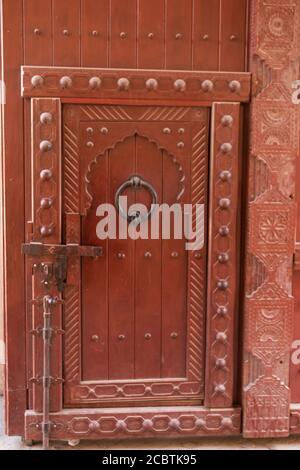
pixel 134 318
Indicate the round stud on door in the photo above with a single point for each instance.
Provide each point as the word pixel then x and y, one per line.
pixel 174 335
pixel 123 35
pixel 46 203
pixel 207 85
pixel 227 120
pixel 178 36
pixel 94 426
pixel 90 144
pixel 175 255
pixel 222 311
pixel 150 35
pixel 224 203
pixel 180 85
pixel 65 82
pixel 174 423
pixel 180 145
pixel 46 231
pixel 95 33
pixel 45 146
pixel 46 118
pixel 205 37
pixel 37 81
pixel 95 338
pixel 151 84
pixel 37 31
pixel 123 84
pixel 225 175
pixel 147 424
pixel 235 86
pixel 121 337
pixel 223 258
pixel 46 175
pixel 95 82
pixel 220 363
pixel 227 422
pixel 121 256
pixel 233 37
pixel 220 388
pixel 66 32
pixel 167 130
pixel 148 336
pixel 222 284
pixel 226 147
pixel 104 130
pixel 148 255
pixel 221 337
pixel 224 231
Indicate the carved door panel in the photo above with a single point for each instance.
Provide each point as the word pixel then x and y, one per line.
pixel 134 318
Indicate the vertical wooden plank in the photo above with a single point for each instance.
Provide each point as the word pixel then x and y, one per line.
pixel 123 33
pixel 206 35
pixel 13 189
pixel 148 271
pixel 121 273
pixel 46 204
pixel 95 284
pixel 222 287
pixel 94 28
pixel 233 35
pixel 179 34
pixel 151 34
pixel 66 33
pixel 174 280
pixel 38 32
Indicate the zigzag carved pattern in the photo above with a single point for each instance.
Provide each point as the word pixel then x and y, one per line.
pixel 71 188
pixel 106 113
pixel 72 335
pixel 196 286
pixel 164 114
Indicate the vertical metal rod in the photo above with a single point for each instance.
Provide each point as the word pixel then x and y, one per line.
pixel 48 302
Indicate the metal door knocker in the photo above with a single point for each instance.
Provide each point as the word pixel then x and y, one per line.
pixel 135 182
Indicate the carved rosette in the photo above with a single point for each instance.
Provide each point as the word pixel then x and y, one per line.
pixel 274 146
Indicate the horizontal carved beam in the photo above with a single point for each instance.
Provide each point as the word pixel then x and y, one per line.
pixel 135 84
pixel 144 422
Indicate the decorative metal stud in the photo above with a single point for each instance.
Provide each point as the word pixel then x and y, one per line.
pixel 223 258
pixel 180 145
pixel 178 36
pixel 148 255
pixel 46 202
pixel 37 81
pixel 235 86
pixel 224 203
pixel 46 175
pixel 123 84
pixel 148 336
pixel 151 84
pixel 95 33
pixel 37 32
pixel 66 32
pixel 223 284
pixel 45 146
pixel 174 423
pixel 226 147
pixel 221 336
pixel 65 82
pixel 220 363
pixel 94 426
pixel 227 120
pixel 233 37
pixel 121 425
pixel 121 337
pixel 205 37
pixel 197 255
pixel 90 130
pixel 227 422
pixel 225 175
pixel 121 255
pixel 174 335
pixel 95 338
pixel 207 85
pixel 167 130
pixel 220 388
pixel 104 130
pixel 150 35
pixel 46 231
pixel 200 423
pixel 46 118
pixel 123 35
pixel 90 144
pixel 95 82
pixel 175 255
pixel 181 130
pixel 180 85
pixel 222 311
pixel 224 231
pixel 147 424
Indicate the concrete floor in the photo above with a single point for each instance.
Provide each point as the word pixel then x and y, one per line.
pixel 15 443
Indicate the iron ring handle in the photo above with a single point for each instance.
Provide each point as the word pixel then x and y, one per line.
pixel 135 182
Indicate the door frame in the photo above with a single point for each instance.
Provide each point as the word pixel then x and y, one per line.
pixel 48 89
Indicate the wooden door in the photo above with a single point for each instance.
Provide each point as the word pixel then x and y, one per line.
pixel 133 318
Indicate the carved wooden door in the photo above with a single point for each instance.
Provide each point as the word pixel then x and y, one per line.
pixel 134 318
